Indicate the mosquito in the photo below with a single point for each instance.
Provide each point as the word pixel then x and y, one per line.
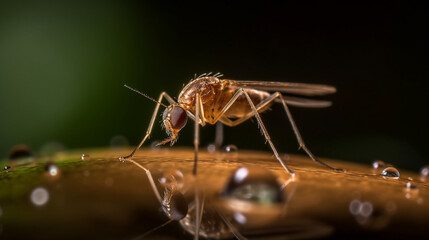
pixel 208 99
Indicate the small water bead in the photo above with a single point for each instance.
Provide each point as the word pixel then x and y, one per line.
pixel 231 148
pixel 409 186
pixel 20 151
pixel 172 177
pixel 378 164
pixel 211 148
pixel 52 169
pixel 39 196
pixel 85 156
pixel 390 173
pixel 424 172
pixel 6 168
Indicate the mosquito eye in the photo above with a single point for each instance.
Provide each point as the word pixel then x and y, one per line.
pixel 178 118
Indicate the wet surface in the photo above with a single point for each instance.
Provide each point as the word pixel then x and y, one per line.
pixel 66 197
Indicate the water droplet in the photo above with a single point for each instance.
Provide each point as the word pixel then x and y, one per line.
pixel 390 173
pixel 424 173
pixel 211 148
pixel 118 141
pixel 20 151
pixel 231 148
pixel 52 169
pixel 254 184
pixel 39 196
pixel 174 204
pixel 6 168
pixel 411 190
pixel 85 156
pixel 154 145
pixel 378 164
pixel 172 178
pixel 409 186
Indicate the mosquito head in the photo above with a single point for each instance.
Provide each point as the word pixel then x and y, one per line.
pixel 174 119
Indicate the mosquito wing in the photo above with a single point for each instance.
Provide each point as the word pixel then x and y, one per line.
pixel 305 102
pixel 286 87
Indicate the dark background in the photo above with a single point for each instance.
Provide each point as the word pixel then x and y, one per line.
pixel 63 65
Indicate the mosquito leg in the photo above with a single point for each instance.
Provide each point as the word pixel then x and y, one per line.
pixel 299 138
pixel 219 135
pixel 152 121
pixel 196 132
pixel 265 132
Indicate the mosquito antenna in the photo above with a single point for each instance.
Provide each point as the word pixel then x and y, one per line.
pixel 137 91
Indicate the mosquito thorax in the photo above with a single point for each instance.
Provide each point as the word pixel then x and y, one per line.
pixel 176 115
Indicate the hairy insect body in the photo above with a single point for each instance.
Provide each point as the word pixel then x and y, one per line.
pixel 215 95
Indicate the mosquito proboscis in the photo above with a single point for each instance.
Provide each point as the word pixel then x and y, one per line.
pixel 208 99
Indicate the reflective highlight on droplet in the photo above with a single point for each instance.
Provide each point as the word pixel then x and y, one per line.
pixel 39 196
pixel 6 167
pixel 390 173
pixel 85 156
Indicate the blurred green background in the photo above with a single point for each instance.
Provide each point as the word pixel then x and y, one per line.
pixel 63 65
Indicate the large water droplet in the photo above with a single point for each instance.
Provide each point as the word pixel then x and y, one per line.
pixel 390 173
pixel 85 156
pixel 39 196
pixel 253 197
pixel 52 169
pixel 254 184
pixel 172 178
pixel 231 148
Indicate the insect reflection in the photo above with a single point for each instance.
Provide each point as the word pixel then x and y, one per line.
pixel 208 99
pixel 253 197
